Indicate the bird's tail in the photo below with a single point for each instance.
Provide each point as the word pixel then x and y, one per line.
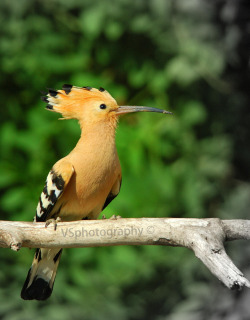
pixel 41 276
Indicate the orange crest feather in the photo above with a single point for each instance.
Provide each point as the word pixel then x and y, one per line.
pixel 71 99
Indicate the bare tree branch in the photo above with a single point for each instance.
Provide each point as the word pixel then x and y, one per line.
pixel 204 236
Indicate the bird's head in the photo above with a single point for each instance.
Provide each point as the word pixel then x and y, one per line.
pixel 89 105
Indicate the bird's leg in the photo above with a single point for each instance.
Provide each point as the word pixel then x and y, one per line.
pixel 114 217
pixel 53 221
pixel 104 217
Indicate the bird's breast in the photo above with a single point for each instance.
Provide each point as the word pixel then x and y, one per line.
pixel 90 185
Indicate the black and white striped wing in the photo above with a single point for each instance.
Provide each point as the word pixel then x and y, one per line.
pixel 53 190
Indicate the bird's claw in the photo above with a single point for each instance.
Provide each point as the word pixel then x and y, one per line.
pixel 53 221
pixel 114 217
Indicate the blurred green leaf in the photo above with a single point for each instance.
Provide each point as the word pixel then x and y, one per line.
pixel 165 54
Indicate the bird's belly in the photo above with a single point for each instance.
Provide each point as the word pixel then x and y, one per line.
pixel 71 211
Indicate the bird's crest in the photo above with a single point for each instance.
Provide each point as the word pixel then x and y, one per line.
pixel 71 99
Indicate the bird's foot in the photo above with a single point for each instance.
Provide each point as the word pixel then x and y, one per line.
pixel 114 217
pixel 104 217
pixel 53 221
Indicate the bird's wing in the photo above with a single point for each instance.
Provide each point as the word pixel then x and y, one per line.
pixel 113 192
pixel 57 180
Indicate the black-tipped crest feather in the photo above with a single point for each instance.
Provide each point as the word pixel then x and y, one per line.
pixel 67 88
pixel 45 99
pixel 53 92
pixel 87 88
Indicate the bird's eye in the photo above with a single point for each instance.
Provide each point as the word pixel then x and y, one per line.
pixel 103 106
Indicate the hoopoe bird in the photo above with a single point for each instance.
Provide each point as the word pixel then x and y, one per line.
pixel 82 184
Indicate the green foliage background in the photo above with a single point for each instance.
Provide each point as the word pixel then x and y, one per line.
pixel 184 56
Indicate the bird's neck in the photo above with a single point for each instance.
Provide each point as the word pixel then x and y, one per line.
pixel 97 137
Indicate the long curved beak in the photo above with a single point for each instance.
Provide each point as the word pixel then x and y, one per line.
pixel 129 109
